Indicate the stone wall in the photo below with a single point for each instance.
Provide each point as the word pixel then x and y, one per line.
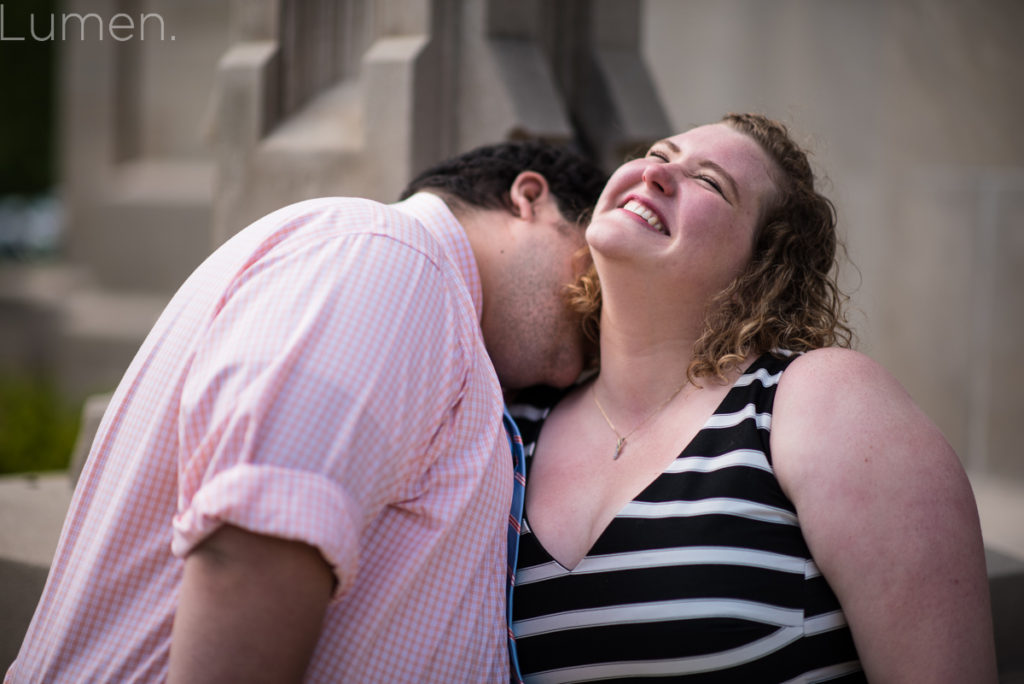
pixel 912 109
pixel 136 184
pixel 135 138
pixel 354 97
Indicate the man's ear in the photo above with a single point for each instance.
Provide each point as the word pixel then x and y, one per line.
pixel 527 188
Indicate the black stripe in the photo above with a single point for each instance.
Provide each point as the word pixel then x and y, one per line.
pixel 737 482
pixel 634 534
pixel 600 589
pixel 660 640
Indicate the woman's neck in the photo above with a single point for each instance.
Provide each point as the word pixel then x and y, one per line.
pixel 649 326
pixel 643 357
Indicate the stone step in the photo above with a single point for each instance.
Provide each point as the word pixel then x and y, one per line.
pixel 100 332
pixel 150 229
pixel 1001 509
pixel 56 322
pixel 21 585
pixel 32 510
pixel 30 313
pixel 1006 584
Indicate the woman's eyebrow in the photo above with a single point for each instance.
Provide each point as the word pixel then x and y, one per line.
pixel 704 163
pixel 669 144
pixel 724 174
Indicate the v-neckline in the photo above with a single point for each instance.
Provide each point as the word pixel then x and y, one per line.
pixel 752 368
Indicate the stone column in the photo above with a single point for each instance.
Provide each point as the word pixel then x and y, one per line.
pixel 416 81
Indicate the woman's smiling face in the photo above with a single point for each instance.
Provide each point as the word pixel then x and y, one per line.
pixel 693 202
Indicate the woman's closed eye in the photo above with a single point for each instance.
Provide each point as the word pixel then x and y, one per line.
pixel 712 182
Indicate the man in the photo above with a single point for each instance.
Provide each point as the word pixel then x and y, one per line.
pixel 304 471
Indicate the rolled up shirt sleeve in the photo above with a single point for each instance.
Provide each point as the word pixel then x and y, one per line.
pixel 277 502
pixel 317 392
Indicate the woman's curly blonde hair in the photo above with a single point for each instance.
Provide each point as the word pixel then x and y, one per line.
pixel 787 297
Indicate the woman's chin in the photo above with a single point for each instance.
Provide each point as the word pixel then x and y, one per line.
pixel 615 242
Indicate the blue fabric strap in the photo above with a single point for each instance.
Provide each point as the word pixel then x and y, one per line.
pixel 515 519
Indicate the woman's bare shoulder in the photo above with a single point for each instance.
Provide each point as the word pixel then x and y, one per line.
pixel 828 367
pixel 838 409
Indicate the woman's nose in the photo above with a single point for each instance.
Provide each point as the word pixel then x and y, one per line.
pixel 660 178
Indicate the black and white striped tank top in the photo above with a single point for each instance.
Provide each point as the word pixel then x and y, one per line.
pixel 704 577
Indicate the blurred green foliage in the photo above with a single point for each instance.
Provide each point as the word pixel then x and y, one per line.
pixel 37 429
pixel 27 84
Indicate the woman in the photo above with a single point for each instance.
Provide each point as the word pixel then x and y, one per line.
pixel 736 496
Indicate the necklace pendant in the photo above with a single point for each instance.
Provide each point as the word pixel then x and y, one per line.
pixel 618 448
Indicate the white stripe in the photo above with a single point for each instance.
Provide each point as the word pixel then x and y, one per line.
pixel 675 666
pixel 658 611
pixel 655 558
pixel 527 412
pixel 811 571
pixel 724 506
pixel 726 420
pixel 826 674
pixel 752 458
pixel 767 379
pixel 542 572
pixel 826 622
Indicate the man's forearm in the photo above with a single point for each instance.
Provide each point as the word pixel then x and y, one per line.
pixel 250 609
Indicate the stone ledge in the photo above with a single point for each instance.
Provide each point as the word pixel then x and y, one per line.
pixel 20 587
pixel 32 511
pixel 1006 586
pixel 1000 502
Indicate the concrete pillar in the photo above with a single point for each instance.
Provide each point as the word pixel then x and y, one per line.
pixel 137 174
pixel 418 80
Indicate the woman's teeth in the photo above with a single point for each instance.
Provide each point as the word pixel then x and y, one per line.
pixel 646 214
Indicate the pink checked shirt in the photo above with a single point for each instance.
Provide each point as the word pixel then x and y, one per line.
pixel 321 377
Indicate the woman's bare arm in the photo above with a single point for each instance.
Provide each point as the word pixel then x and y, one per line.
pixel 890 519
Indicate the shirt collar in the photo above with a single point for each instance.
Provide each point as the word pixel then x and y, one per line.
pixel 436 217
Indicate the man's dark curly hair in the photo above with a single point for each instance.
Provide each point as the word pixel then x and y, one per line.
pixel 482 177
